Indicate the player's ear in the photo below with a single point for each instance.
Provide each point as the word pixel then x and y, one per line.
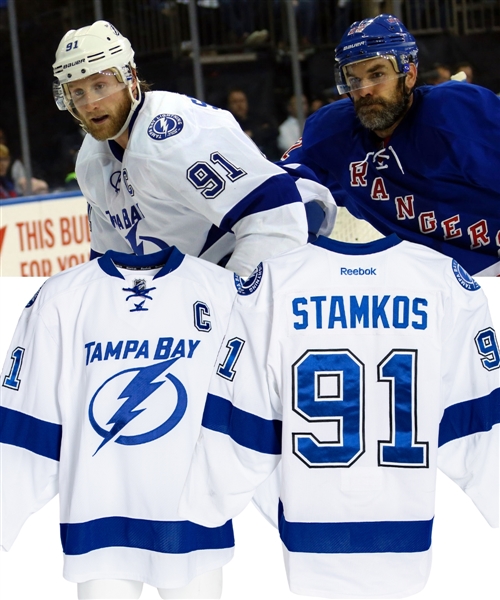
pixel 411 76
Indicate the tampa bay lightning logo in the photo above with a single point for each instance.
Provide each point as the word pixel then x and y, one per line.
pixel 138 246
pixel 166 404
pixel 32 301
pixel 463 278
pixel 248 286
pixel 164 126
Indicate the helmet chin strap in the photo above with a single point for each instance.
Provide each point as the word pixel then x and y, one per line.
pixel 135 103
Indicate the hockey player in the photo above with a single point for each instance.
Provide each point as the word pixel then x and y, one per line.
pixel 160 168
pixel 422 162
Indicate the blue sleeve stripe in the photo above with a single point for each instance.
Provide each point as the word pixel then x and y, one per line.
pixel 173 537
pixel 300 171
pixel 355 538
pixel 244 428
pixel 24 431
pixel 473 416
pixel 276 191
pixel 213 236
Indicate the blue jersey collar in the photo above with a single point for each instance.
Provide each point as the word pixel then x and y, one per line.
pixel 115 148
pixel 357 249
pixel 168 259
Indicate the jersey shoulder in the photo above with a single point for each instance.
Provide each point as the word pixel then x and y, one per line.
pixel 218 281
pixel 458 107
pixel 72 279
pixel 330 121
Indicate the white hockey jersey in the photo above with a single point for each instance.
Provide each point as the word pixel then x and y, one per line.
pixel 381 363
pixel 102 396
pixel 190 177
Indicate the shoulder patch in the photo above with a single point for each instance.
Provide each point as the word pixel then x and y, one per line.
pixel 463 278
pixel 32 301
pixel 164 126
pixel 248 286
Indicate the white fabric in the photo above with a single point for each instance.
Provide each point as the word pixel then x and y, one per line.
pixel 87 342
pixel 303 308
pixel 146 198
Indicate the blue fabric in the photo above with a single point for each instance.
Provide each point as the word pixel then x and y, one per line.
pixel 354 538
pixel 434 182
pixel 35 435
pixel 473 416
pixel 173 537
pixel 244 428
pixel 358 249
pixel 276 191
pixel 169 260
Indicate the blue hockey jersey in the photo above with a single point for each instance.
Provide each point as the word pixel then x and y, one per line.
pixel 435 181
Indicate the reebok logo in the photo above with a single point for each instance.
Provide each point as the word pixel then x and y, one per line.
pixel 369 271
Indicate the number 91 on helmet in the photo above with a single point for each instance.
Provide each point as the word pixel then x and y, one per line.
pixel 91 64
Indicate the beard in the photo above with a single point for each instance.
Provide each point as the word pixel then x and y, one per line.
pixel 379 114
pixel 116 115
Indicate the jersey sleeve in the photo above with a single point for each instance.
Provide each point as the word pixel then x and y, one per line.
pixel 313 182
pixel 30 425
pixel 469 429
pixel 240 441
pixel 223 176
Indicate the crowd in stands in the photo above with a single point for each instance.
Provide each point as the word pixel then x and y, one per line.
pixel 272 136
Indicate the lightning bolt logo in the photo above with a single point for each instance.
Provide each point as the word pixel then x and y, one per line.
pixel 142 386
pixel 138 247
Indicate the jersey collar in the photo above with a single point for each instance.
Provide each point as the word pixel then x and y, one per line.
pixel 357 249
pixel 168 259
pixel 115 148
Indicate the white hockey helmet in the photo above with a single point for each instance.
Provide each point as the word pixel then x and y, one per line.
pixel 97 48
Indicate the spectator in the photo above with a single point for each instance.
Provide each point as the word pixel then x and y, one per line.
pixel 465 67
pixel 262 130
pixel 290 130
pixel 18 175
pixel 7 189
pixel 240 19
pixel 439 74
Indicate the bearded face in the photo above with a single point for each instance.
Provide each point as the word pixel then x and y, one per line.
pixel 379 113
pixel 380 93
pixel 109 118
pixel 102 103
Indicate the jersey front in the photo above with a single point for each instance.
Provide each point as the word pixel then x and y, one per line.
pixel 189 177
pixel 435 181
pixel 381 364
pixel 102 396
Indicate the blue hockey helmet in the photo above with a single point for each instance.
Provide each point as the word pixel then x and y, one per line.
pixel 383 36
